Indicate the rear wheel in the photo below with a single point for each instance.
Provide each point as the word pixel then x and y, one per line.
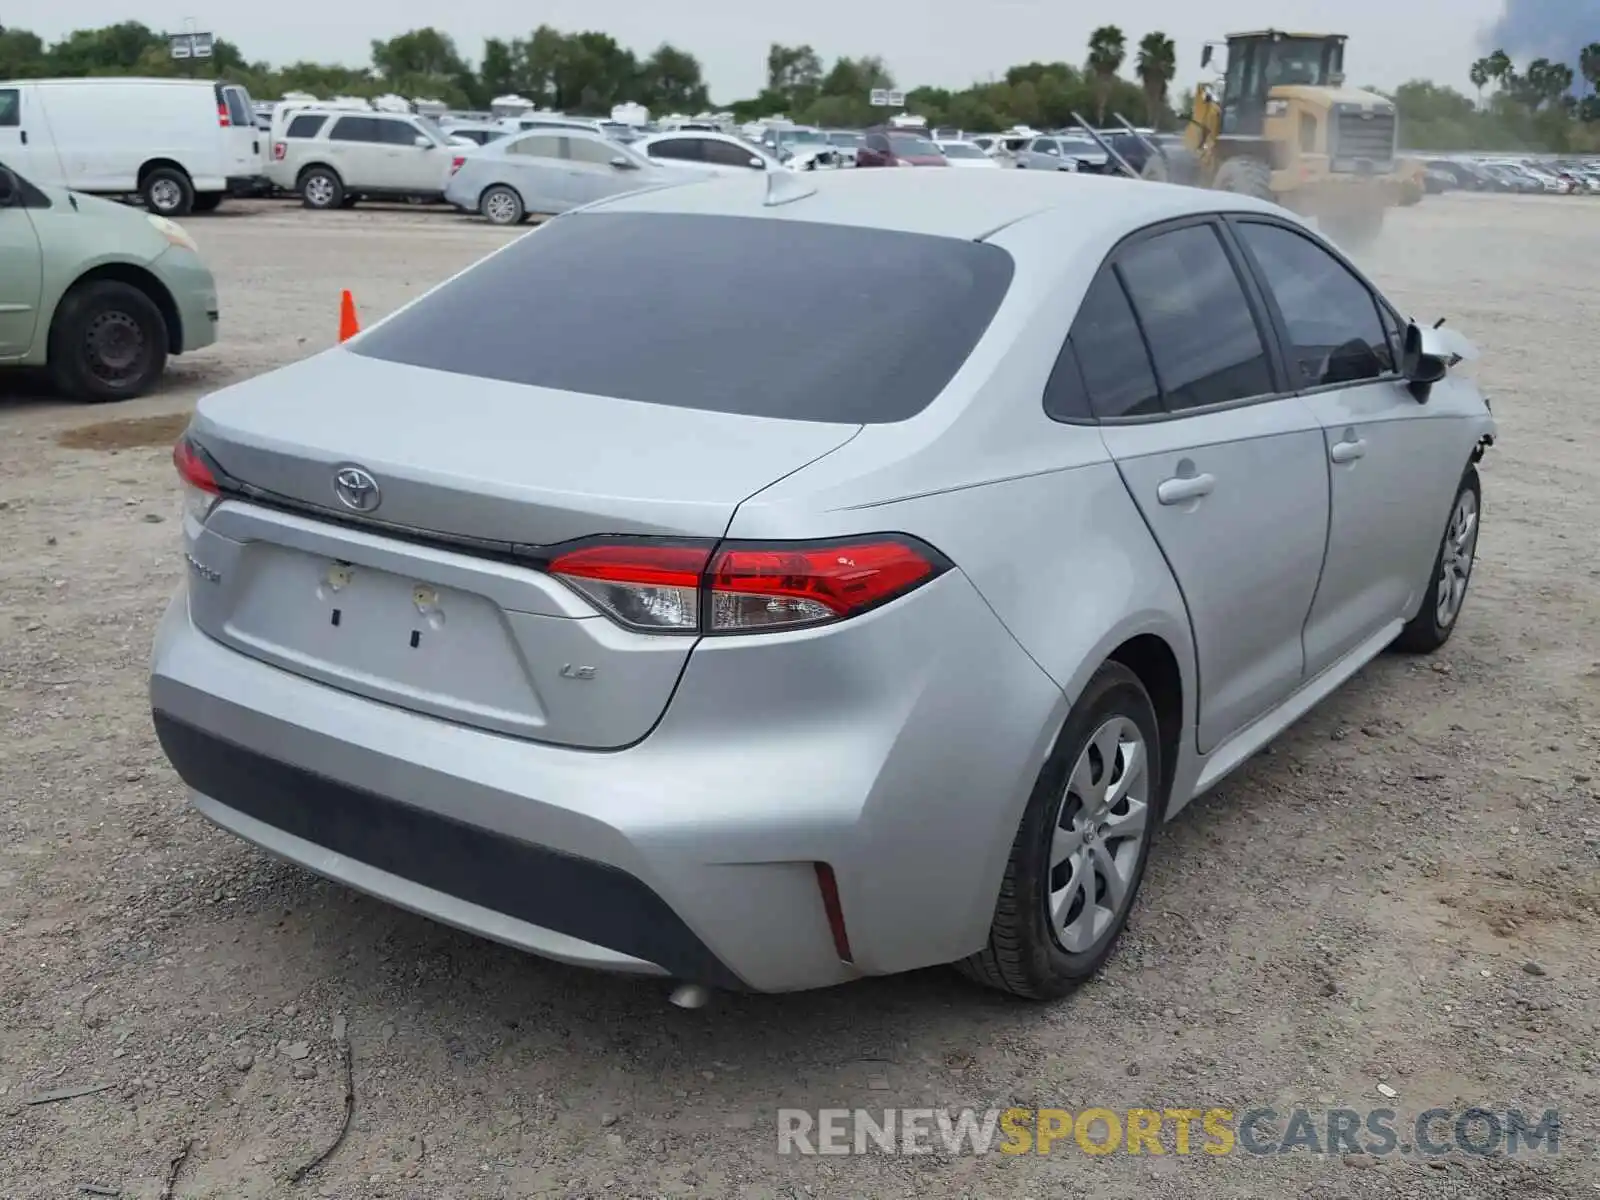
pixel 108 342
pixel 501 205
pixel 167 192
pixel 1452 571
pixel 1245 177
pixel 1080 852
pixel 320 188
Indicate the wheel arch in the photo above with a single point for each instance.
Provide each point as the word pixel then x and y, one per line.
pixel 134 276
pixel 317 165
pixel 150 166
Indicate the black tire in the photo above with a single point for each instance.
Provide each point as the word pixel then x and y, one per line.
pixel 1245 176
pixel 1432 626
pixel 205 202
pixel 350 200
pixel 321 188
pixel 167 192
pixel 502 205
pixel 108 342
pixel 1024 956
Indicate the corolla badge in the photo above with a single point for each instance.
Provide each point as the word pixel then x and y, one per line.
pixel 357 490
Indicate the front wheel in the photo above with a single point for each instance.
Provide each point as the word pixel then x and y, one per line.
pixel 1452 571
pixel 108 342
pixel 1080 852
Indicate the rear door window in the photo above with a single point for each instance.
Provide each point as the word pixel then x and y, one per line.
pixel 305 125
pixel 1110 355
pixel 10 108
pixel 1196 318
pixel 239 111
pixel 354 129
pixel 677 149
pixel 799 347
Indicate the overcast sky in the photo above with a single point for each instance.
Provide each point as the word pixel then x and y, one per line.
pixel 939 42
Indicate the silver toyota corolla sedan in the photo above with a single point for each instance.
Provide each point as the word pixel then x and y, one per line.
pixel 770 663
pixel 550 171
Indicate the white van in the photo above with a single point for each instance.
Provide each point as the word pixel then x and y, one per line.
pixel 179 144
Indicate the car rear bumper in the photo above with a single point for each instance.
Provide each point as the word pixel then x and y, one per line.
pixel 692 854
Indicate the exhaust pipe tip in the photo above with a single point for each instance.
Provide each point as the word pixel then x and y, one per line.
pixel 690 995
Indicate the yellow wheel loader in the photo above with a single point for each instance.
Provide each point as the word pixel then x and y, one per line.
pixel 1281 124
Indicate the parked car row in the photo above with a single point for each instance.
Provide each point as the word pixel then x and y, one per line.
pixel 1564 177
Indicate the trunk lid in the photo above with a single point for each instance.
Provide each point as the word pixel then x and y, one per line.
pixel 413 615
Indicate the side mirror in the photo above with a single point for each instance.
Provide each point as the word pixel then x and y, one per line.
pixel 8 188
pixel 422 143
pixel 622 163
pixel 1420 363
pixel 757 163
pixel 1205 56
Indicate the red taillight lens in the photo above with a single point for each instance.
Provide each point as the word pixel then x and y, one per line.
pixel 222 115
pixel 744 588
pixel 455 163
pixel 759 588
pixel 651 587
pixel 192 468
pixel 279 150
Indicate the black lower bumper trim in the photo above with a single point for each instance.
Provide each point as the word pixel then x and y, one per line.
pixel 581 898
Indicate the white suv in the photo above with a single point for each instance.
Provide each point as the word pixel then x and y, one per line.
pixel 335 158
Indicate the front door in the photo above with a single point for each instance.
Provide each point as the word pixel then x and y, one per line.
pixel 21 279
pixel 1228 471
pixel 1390 487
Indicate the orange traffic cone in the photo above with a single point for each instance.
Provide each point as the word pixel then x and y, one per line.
pixel 348 325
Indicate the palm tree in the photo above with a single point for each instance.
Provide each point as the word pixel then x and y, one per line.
pixel 1157 64
pixel 1479 76
pixel 1589 65
pixel 1498 65
pixel 1107 49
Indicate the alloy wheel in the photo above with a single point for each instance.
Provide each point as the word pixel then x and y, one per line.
pixel 1455 559
pixel 1097 836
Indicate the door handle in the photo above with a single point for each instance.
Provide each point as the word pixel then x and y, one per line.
pixel 1185 487
pixel 1348 450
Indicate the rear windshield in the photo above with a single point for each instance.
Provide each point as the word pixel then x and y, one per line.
pixel 766 317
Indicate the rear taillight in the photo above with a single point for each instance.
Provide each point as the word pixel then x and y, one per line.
pixel 455 163
pixel 222 115
pixel 280 150
pixel 662 587
pixel 200 489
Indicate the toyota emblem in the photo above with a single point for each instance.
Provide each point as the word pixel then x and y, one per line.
pixel 356 489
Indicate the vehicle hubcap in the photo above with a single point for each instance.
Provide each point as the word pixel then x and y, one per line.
pixel 1455 560
pixel 1098 835
pixel 500 208
pixel 319 190
pixel 116 348
pixel 165 194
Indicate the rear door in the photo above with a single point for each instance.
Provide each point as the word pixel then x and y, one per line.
pixel 1228 470
pixel 245 156
pixel 1391 486
pixel 23 141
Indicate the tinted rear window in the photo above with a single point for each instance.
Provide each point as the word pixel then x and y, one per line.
pixel 305 125
pixel 760 316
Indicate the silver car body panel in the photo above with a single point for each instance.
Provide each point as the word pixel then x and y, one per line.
pixel 709 774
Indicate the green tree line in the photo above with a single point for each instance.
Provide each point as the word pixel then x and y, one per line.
pixel 1534 107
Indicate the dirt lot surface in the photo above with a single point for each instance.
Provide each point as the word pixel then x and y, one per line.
pixel 1404 894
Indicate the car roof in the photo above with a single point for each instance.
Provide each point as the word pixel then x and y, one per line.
pixel 960 204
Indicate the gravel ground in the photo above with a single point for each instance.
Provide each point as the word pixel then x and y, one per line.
pixel 1404 891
